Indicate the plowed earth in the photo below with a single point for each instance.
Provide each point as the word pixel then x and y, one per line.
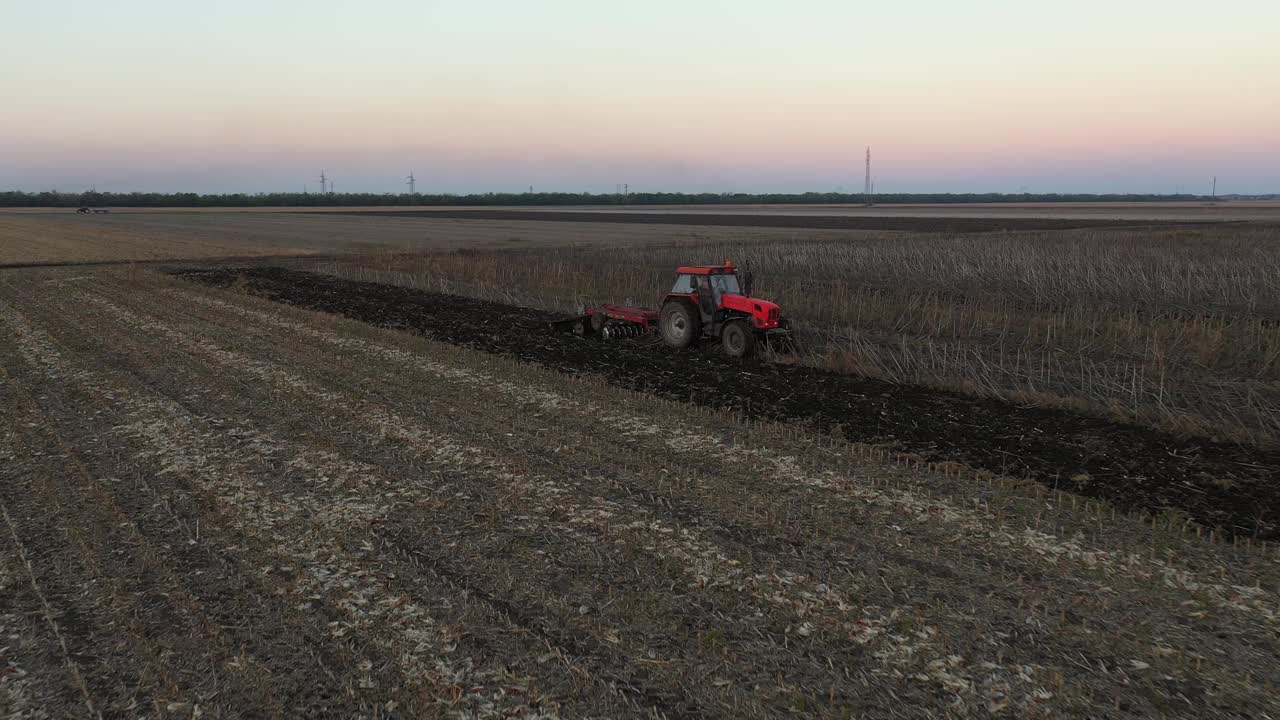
pixel 218 506
pixel 1135 468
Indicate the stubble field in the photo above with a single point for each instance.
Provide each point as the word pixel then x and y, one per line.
pixel 54 238
pixel 218 505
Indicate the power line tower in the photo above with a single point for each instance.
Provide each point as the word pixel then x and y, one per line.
pixel 1215 187
pixel 323 181
pixel 410 182
pixel 866 185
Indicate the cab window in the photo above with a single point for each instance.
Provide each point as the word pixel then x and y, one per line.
pixel 684 284
pixel 725 284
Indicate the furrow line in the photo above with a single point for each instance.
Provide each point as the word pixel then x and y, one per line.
pixel 72 666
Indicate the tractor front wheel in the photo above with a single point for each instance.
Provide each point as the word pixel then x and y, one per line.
pixel 737 339
pixel 679 324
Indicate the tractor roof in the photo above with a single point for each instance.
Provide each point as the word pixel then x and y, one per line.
pixel 727 267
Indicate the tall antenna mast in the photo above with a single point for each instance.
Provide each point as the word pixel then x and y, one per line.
pixel 1215 187
pixel 411 181
pixel 866 186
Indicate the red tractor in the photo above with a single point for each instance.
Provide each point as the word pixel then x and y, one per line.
pixel 706 302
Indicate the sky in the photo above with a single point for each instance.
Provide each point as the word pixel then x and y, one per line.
pixel 686 95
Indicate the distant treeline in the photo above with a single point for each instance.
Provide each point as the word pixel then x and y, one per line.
pixel 137 199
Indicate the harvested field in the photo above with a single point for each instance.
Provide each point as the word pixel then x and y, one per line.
pixel 47 238
pixel 216 505
pixel 1267 211
pixel 1218 484
pixel 888 221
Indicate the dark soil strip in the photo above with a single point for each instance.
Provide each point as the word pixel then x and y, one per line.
pixel 1136 468
pixel 806 222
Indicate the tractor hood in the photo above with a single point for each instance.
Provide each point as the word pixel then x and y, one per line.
pixel 764 314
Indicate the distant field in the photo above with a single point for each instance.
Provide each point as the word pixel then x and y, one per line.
pixel 806 221
pixel 40 236
pixel 1240 210
pixel 64 237
pixel 1244 210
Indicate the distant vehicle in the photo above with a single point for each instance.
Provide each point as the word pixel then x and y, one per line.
pixel 93 210
pixel 83 210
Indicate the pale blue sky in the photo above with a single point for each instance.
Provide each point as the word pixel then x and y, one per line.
pixel 1091 96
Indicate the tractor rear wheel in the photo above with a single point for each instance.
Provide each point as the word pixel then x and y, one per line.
pixel 737 339
pixel 679 324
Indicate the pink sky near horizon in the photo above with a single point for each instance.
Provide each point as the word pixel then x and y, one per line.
pixel 1122 102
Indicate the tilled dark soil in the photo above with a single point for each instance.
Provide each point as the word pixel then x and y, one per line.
pixel 1136 468
pixel 807 222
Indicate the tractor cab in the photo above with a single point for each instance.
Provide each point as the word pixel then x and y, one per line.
pixel 723 289
pixel 715 301
pixel 708 285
